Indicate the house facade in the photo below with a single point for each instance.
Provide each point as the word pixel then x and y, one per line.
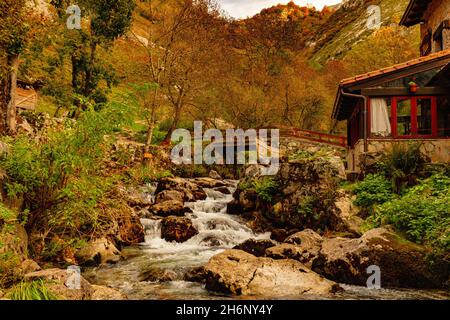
pixel 434 19
pixel 406 102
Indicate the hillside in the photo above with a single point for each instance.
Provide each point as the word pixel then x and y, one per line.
pixel 347 26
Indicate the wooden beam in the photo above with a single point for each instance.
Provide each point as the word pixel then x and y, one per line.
pixel 401 91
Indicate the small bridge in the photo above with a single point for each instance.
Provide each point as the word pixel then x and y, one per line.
pixel 314 136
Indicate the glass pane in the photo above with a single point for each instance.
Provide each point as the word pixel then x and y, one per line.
pixel 404 116
pixel 443 113
pixel 424 116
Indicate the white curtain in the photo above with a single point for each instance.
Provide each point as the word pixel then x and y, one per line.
pixel 380 123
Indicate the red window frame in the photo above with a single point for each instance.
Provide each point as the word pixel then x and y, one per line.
pixel 414 124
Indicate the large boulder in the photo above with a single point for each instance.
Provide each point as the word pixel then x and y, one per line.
pixel 304 197
pixel 256 247
pixel 239 273
pixel 59 282
pixel 169 208
pixel 98 251
pixel 402 263
pixel 303 246
pixel 179 229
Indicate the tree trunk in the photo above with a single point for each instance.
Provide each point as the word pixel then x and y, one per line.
pixel 90 71
pixel 176 118
pixel 13 63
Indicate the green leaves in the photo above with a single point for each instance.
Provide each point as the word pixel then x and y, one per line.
pixel 423 213
pixel 266 188
pixel 374 189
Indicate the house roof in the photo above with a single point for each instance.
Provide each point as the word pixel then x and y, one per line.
pixel 377 77
pixel 414 12
pixel 443 77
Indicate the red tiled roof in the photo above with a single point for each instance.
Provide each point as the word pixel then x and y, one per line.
pixel 396 67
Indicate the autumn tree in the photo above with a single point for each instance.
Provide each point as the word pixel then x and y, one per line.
pixel 180 43
pixel 13 33
pixel 387 46
pixel 103 22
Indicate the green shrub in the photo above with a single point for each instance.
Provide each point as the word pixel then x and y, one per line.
pixel 266 188
pixel 374 189
pixel 422 213
pixel 35 290
pixel 306 207
pixel 403 164
pixel 62 177
pixel 9 261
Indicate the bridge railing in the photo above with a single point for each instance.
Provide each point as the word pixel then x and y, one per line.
pixel 314 136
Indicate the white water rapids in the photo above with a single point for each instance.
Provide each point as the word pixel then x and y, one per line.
pixel 135 276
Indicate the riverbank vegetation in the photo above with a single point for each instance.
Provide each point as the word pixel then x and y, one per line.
pixel 112 92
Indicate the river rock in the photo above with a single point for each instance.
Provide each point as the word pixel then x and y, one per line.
pixel 158 275
pixel 213 174
pixel 206 182
pixel 280 235
pixel 106 293
pixel 223 190
pixel 168 195
pixel 234 207
pixel 128 229
pixel 138 197
pixel 191 191
pixel 349 213
pixel 302 246
pixel 240 273
pixel 248 199
pixel 402 263
pixel 58 282
pixel 28 266
pixel 98 251
pixel 179 229
pixel 169 208
pixel 197 274
pixel 307 238
pixel 304 197
pixel 256 247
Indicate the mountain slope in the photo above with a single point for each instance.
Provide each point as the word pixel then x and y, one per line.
pixel 347 26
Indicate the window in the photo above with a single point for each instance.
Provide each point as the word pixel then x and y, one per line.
pixel 404 116
pixel 410 117
pixel 438 36
pixel 424 117
pixel 443 116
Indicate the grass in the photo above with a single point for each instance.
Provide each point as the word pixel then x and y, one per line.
pixel 34 290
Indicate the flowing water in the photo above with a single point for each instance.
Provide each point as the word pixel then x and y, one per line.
pixel 137 275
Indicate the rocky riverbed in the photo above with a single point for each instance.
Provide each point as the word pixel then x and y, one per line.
pixel 188 252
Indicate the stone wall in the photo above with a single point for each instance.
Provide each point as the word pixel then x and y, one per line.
pixel 438 150
pixel 438 11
